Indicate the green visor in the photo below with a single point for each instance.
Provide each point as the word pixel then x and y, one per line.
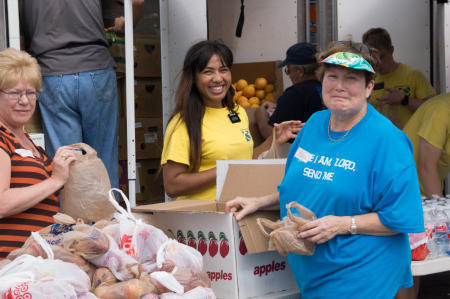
pixel 350 60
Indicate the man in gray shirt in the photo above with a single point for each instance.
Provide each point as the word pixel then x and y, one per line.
pixel 79 101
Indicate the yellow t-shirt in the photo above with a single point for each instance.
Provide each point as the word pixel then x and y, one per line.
pixel 221 140
pixel 432 122
pixel 408 80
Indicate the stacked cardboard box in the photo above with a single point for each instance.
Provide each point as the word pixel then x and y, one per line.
pixel 148 115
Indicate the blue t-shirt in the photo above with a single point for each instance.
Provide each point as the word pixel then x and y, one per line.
pixel 370 170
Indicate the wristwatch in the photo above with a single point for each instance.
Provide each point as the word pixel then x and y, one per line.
pixel 353 227
pixel 405 100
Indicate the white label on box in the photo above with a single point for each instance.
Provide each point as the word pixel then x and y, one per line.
pixel 38 139
pixel 150 137
pixel 138 125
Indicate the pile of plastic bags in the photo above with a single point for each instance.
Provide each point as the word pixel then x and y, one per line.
pixel 119 258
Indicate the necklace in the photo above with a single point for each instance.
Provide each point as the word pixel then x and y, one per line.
pixel 336 140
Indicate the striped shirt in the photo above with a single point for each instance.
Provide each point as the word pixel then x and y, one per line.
pixel 25 171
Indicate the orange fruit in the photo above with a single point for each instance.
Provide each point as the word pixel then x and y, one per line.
pixel 241 84
pixel 249 92
pixel 234 86
pixel 252 85
pixel 237 94
pixel 253 100
pixel 269 97
pixel 243 101
pixel 260 94
pixel 269 88
pixel 260 83
pixel 254 106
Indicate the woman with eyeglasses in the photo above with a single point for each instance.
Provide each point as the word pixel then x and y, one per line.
pixel 29 179
pixel 355 170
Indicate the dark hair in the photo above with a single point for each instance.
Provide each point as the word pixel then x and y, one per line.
pixel 189 103
pixel 377 38
pixel 347 46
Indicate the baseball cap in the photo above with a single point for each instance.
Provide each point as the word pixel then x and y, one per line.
pixel 299 54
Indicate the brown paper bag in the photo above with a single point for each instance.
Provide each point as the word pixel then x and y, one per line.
pixel 85 195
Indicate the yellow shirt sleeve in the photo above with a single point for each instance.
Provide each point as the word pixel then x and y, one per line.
pixel 176 143
pixel 423 87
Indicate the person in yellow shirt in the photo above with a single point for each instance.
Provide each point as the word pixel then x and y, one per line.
pixel 205 126
pixel 429 132
pixel 399 89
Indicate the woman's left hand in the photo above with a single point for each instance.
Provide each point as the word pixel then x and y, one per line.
pixel 323 229
pixel 287 130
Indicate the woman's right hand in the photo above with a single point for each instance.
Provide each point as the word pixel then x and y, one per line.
pixel 61 162
pixel 242 206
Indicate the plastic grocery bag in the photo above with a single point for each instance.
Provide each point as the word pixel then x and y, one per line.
pixel 179 255
pixel 43 288
pixel 136 238
pixel 418 244
pixel 85 195
pixel 130 289
pixel 123 266
pixel 86 241
pixel 179 280
pixel 42 275
pixel 283 237
pixel 197 293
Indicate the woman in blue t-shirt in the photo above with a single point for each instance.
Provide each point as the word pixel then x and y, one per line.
pixel 355 170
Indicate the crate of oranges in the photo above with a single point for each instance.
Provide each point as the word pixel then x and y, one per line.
pixel 254 94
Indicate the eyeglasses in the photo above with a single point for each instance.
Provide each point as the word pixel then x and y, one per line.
pixel 17 95
pixel 357 46
pixel 287 71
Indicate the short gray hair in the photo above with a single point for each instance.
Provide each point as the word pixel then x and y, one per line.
pixel 308 69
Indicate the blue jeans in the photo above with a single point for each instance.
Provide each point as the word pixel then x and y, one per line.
pixel 82 107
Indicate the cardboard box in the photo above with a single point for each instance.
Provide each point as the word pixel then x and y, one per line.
pixel 235 255
pixel 147 97
pixel 147 54
pixel 149 181
pixel 252 70
pixel 148 138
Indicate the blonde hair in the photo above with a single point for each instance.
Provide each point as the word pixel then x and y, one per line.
pixel 16 65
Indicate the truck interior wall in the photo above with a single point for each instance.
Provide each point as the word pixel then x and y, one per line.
pixel 446 29
pixel 407 21
pixel 182 24
pixel 270 27
pixel 3 26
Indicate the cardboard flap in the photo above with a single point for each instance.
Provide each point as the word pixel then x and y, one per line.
pixel 255 241
pixel 251 180
pixel 188 205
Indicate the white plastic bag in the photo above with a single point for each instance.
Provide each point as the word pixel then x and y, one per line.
pixel 44 288
pixel 44 274
pixel 197 293
pixel 179 255
pixel 133 236
pixel 123 266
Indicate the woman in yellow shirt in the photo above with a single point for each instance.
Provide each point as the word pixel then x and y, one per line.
pixel 205 126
